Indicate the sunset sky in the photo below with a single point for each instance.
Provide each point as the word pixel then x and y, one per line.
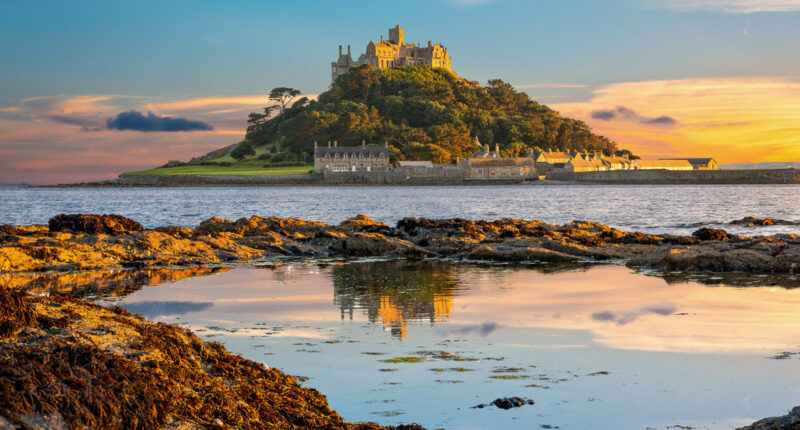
pixel 720 78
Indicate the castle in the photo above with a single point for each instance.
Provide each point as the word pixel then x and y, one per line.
pixel 393 52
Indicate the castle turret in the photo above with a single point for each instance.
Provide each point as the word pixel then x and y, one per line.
pixel 397 35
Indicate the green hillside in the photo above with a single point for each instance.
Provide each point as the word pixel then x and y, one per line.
pixel 424 114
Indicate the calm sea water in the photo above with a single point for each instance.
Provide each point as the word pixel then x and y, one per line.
pixel 596 347
pixel 656 209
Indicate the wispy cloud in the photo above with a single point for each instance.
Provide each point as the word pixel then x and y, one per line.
pixel 625 114
pixel 549 85
pixel 729 6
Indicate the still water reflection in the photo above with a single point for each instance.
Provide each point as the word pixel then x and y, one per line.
pixel 594 346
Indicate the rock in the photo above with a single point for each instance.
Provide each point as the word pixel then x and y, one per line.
pixel 364 224
pixel 507 403
pixel 94 224
pixel 180 232
pixel 753 221
pixel 711 234
pixel 532 254
pixel 790 421
pixel 215 225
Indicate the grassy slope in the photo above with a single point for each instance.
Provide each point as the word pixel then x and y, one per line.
pixel 251 166
pixel 235 170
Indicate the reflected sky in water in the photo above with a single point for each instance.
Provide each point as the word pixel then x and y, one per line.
pixel 595 347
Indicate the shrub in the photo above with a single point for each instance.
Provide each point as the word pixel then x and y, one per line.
pixel 243 150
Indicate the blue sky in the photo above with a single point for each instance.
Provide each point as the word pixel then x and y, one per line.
pixel 180 49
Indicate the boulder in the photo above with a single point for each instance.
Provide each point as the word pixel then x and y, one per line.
pixel 94 224
pixel 711 234
pixel 751 221
pixel 363 223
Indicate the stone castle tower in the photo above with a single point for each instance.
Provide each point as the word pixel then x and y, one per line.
pixel 393 52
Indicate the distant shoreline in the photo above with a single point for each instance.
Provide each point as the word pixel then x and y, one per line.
pixel 635 177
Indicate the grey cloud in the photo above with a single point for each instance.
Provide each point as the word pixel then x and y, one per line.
pixel 625 114
pixel 134 120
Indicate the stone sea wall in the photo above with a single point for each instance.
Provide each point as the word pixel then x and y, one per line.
pixel 765 176
pixel 445 176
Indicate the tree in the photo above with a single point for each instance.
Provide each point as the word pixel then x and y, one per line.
pixel 283 96
pixel 243 149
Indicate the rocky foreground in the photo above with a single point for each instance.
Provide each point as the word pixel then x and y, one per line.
pixel 73 242
pixel 67 364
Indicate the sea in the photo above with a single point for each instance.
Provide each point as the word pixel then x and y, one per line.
pixel 646 208
pixel 592 346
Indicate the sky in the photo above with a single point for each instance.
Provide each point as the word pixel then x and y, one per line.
pixel 90 89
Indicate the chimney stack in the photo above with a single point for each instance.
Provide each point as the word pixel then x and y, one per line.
pixel 430 43
pixel 335 143
pixel 340 50
pixel 315 144
pixel 348 49
pixel 329 144
pixel 363 144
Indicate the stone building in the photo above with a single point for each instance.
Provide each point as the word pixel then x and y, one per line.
pixel 350 158
pixel 491 165
pixel 579 164
pixel 548 161
pixel 393 52
pixel 662 164
pixel 700 163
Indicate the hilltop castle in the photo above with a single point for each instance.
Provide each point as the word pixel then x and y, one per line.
pixel 393 52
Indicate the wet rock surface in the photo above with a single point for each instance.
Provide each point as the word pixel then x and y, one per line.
pixel 73 242
pixel 506 403
pixel 751 221
pixel 94 224
pixel 66 363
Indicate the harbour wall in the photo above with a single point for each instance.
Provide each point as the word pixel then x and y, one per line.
pixel 454 177
pixel 677 177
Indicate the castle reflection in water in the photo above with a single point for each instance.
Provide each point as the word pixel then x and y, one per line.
pixel 395 292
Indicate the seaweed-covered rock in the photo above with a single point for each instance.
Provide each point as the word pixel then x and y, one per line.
pixel 71 364
pixel 751 221
pixel 710 234
pixel 94 224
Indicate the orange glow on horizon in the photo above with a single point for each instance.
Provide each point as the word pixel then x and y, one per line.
pixel 734 120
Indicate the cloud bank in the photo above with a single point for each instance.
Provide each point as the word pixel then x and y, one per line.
pixel 133 120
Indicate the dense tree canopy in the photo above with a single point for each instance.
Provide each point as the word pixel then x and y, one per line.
pixel 425 114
